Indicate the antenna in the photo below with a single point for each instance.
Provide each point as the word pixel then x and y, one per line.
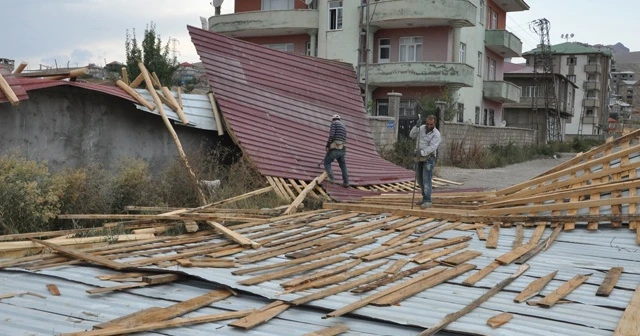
pixel 567 36
pixel 174 50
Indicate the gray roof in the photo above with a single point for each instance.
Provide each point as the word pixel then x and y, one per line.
pixel 574 252
pixel 197 109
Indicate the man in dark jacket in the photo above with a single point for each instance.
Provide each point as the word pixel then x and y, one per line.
pixel 337 149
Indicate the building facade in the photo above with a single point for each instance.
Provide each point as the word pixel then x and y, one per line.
pixel 422 50
pixel 589 68
pixel 531 114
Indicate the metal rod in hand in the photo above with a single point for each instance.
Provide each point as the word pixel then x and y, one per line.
pixel 415 167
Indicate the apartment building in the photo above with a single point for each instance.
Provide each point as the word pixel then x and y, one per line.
pixel 522 113
pixel 412 47
pixel 589 68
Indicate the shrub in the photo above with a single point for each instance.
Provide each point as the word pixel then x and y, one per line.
pixel 401 153
pixel 29 195
pixel 85 192
pixel 133 185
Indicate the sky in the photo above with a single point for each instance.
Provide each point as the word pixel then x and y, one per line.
pixel 78 32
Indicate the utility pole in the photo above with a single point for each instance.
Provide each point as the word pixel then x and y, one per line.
pixel 366 61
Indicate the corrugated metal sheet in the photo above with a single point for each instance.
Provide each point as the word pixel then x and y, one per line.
pixel 75 310
pixel 576 252
pixel 279 106
pixel 197 109
pixel 17 88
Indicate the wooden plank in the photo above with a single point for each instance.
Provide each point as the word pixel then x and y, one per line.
pixel 285 187
pixel 432 255
pixel 499 320
pixel 329 331
pixel 397 239
pixel 397 266
pixel 537 234
pixel 178 322
pixel 278 189
pixel 312 192
pixel 389 291
pixel 517 241
pixel 320 248
pixel 117 288
pixel 216 113
pixel 76 254
pixel 535 287
pixel 437 244
pixel 461 257
pixel 494 233
pixel 236 237
pixel 475 303
pixel 135 95
pixel 409 223
pixel 243 196
pixel 290 271
pixel 53 289
pixel 481 274
pixel 481 234
pixel 127 319
pixel 321 274
pixel 629 324
pixel 261 316
pixel 394 277
pixel 514 254
pixel 609 281
pixel 8 91
pixel 339 289
pixel 421 286
pixel 562 291
pixel 341 277
pixel 298 200
pixel 175 106
pixel 207 263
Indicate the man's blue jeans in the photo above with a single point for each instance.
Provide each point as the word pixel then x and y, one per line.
pixel 425 174
pixel 337 154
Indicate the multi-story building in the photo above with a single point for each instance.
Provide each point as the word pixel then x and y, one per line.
pixel 617 77
pixel 588 68
pixel 625 90
pixel 531 114
pixel 7 64
pixel 413 47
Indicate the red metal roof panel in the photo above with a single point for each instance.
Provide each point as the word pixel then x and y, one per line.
pixel 279 106
pixel 17 88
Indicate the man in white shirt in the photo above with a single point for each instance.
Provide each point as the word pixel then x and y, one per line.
pixel 428 141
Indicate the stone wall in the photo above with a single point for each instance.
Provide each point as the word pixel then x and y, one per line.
pixel 384 131
pixel 478 135
pixel 72 127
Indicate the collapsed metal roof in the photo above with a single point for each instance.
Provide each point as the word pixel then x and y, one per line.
pixel 278 107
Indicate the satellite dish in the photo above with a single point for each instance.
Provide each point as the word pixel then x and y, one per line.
pixel 571 35
pixel 217 3
pixel 308 2
pixel 562 36
pixel 204 22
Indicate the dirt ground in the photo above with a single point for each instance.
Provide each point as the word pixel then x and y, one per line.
pixel 499 178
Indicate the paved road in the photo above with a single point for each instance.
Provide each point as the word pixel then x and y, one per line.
pixel 499 178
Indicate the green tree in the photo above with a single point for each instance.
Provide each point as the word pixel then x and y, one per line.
pixel 153 55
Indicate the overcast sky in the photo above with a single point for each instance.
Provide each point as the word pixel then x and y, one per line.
pixel 79 32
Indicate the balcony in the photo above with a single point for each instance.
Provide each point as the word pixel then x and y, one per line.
pixel 592 85
pixel 512 5
pixel 265 23
pixel 589 120
pixel 502 92
pixel 421 74
pixel 591 102
pixel 503 43
pixel 593 68
pixel 392 14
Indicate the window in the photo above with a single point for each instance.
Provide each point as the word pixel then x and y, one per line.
pixel 482 12
pixel 460 113
pixel 530 91
pixel 571 78
pixel 491 121
pixel 288 47
pixel 335 15
pixel 491 69
pixel 479 63
pixel 494 20
pixel 277 4
pixel 571 61
pixel 309 48
pixel 410 49
pixel 484 116
pixel 382 107
pixel 384 50
pixel 588 113
pixel 477 119
pixel 463 53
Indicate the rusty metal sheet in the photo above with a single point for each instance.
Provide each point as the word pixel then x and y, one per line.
pixel 279 105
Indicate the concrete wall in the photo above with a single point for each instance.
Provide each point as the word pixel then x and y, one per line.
pixel 384 131
pixel 73 127
pixel 477 135
pixel 299 41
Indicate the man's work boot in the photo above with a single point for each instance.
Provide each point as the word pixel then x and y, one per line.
pixel 346 185
pixel 425 205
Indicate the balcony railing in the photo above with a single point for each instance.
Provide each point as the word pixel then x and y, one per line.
pixel 592 85
pixel 593 68
pixel 591 102
pixel 421 74
pixel 265 23
pixel 512 5
pixel 503 43
pixel 503 92
pixel 420 13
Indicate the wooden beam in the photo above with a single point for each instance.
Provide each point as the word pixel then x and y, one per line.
pixel 475 303
pixel 20 68
pixel 514 254
pixel 329 331
pixel 261 316
pixel 499 320
pixel 178 322
pixel 125 76
pixel 8 91
pixel 135 95
pixel 562 291
pixel 534 287
pixel 629 324
pixel 174 135
pixel 174 104
pixel 481 274
pixel 494 234
pixel 294 205
pixel 179 91
pixel 236 237
pixel 137 81
pixel 76 254
pixel 291 271
pixel 609 281
pixel 216 114
pixel 155 80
